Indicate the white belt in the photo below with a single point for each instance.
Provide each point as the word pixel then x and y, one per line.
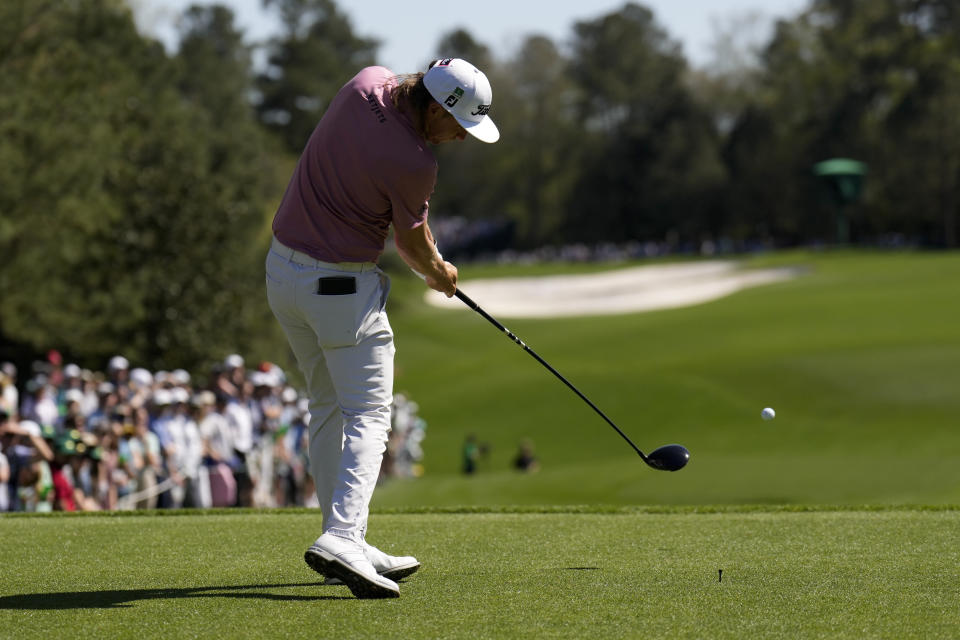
pixel 302 258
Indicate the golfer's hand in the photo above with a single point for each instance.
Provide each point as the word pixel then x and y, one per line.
pixel 445 282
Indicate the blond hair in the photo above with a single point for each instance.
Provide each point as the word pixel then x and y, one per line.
pixel 413 95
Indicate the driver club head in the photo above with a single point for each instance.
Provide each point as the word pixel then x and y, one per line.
pixel 670 457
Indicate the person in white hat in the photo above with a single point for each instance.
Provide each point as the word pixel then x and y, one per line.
pixel 9 394
pixel 118 371
pixel 367 166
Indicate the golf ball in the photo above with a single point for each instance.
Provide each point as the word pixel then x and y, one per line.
pixel 768 414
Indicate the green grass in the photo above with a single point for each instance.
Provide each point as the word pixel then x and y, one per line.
pixel 542 573
pixel 859 357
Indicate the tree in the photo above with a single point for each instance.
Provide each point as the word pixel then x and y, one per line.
pixel 868 80
pixel 215 69
pixel 459 43
pixel 649 152
pixel 916 133
pixel 315 54
pixel 525 177
pixel 469 183
pixel 129 221
pixel 540 138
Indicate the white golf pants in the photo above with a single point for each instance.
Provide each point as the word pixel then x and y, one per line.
pixel 344 347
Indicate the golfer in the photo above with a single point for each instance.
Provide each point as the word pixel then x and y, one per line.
pixel 367 166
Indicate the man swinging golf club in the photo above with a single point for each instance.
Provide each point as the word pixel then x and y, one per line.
pixel 366 166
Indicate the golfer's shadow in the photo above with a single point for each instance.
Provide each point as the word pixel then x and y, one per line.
pixel 123 598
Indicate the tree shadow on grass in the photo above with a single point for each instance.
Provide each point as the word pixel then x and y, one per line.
pixel 121 598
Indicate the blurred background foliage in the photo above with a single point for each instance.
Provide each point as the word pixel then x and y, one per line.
pixel 137 185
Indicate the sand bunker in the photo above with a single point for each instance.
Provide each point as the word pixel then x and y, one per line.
pixel 630 290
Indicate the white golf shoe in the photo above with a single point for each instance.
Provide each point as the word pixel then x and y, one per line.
pixel 339 558
pixel 392 567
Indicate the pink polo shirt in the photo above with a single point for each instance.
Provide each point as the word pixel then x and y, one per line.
pixel 363 168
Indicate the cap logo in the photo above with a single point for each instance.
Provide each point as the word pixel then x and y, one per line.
pixel 445 62
pixel 481 110
pixel 454 97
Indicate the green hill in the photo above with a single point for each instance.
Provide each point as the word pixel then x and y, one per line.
pixel 859 357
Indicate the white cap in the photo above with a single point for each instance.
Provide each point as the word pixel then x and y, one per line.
pixel 71 371
pixel 179 395
pixel 180 376
pixel 141 377
pixel 118 363
pixel 233 361
pixel 31 427
pixel 464 91
pixel 277 373
pixel 266 380
pixel 73 395
pixel 162 397
pixel 270 380
pixel 204 398
pixel 289 395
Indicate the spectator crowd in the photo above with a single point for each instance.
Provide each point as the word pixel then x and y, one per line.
pixel 72 439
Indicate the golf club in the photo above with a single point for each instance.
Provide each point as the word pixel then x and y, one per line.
pixel 669 457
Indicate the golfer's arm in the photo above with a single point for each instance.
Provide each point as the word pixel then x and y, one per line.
pixel 416 247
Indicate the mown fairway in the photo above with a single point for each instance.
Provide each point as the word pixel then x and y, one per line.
pixel 860 357
pixel 621 574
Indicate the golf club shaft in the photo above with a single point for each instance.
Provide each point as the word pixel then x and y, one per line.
pixel 473 305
